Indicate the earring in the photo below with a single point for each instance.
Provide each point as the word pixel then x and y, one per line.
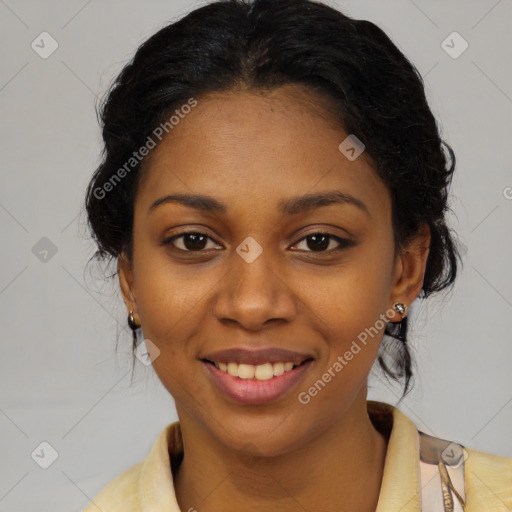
pixel 133 327
pixel 400 307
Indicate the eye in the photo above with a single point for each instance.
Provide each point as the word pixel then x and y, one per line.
pixel 191 241
pixel 320 242
pixel 194 241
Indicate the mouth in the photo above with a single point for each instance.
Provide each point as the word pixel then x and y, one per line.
pixel 264 371
pixel 256 384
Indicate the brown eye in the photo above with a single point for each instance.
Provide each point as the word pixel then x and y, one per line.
pixel 190 242
pixel 319 242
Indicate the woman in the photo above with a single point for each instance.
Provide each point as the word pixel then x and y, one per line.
pixel 274 190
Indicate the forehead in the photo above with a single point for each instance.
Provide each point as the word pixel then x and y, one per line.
pixel 259 146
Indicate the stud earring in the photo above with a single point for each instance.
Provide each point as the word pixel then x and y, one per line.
pixel 400 307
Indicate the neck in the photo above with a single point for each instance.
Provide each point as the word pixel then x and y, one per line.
pixel 341 469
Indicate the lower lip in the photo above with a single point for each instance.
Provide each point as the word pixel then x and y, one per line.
pixel 254 392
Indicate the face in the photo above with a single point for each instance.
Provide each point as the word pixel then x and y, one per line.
pixel 264 265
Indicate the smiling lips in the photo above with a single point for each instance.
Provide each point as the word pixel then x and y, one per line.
pixel 264 371
pixel 256 356
pixel 259 364
pixel 256 376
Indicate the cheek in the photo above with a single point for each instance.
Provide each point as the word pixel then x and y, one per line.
pixel 169 298
pixel 353 296
pixel 350 308
pixel 353 335
pixel 171 310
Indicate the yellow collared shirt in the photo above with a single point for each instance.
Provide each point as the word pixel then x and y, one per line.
pixel 148 485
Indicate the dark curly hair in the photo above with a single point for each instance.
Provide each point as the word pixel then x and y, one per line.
pixel 369 85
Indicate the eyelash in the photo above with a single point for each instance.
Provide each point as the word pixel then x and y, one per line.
pixel 344 243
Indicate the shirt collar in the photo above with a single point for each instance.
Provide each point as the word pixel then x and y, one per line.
pixel 400 488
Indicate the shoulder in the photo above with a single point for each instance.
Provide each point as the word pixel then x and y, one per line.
pixel 488 480
pixel 484 479
pixel 119 495
pixel 147 485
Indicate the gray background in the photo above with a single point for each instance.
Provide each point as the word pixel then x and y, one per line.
pixel 61 379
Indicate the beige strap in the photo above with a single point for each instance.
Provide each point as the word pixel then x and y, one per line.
pixel 441 475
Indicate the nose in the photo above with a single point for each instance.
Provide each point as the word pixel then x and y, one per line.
pixel 254 294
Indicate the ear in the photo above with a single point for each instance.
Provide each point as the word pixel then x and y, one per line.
pixel 125 272
pixel 409 270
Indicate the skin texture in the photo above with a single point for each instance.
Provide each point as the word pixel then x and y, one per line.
pixel 251 150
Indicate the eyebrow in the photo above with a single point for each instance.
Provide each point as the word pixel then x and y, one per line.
pixel 291 206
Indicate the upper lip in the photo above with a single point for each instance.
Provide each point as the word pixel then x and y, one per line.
pixel 256 356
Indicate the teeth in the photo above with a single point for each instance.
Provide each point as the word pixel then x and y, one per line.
pixel 245 371
pixel 278 369
pixel 261 372
pixel 233 369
